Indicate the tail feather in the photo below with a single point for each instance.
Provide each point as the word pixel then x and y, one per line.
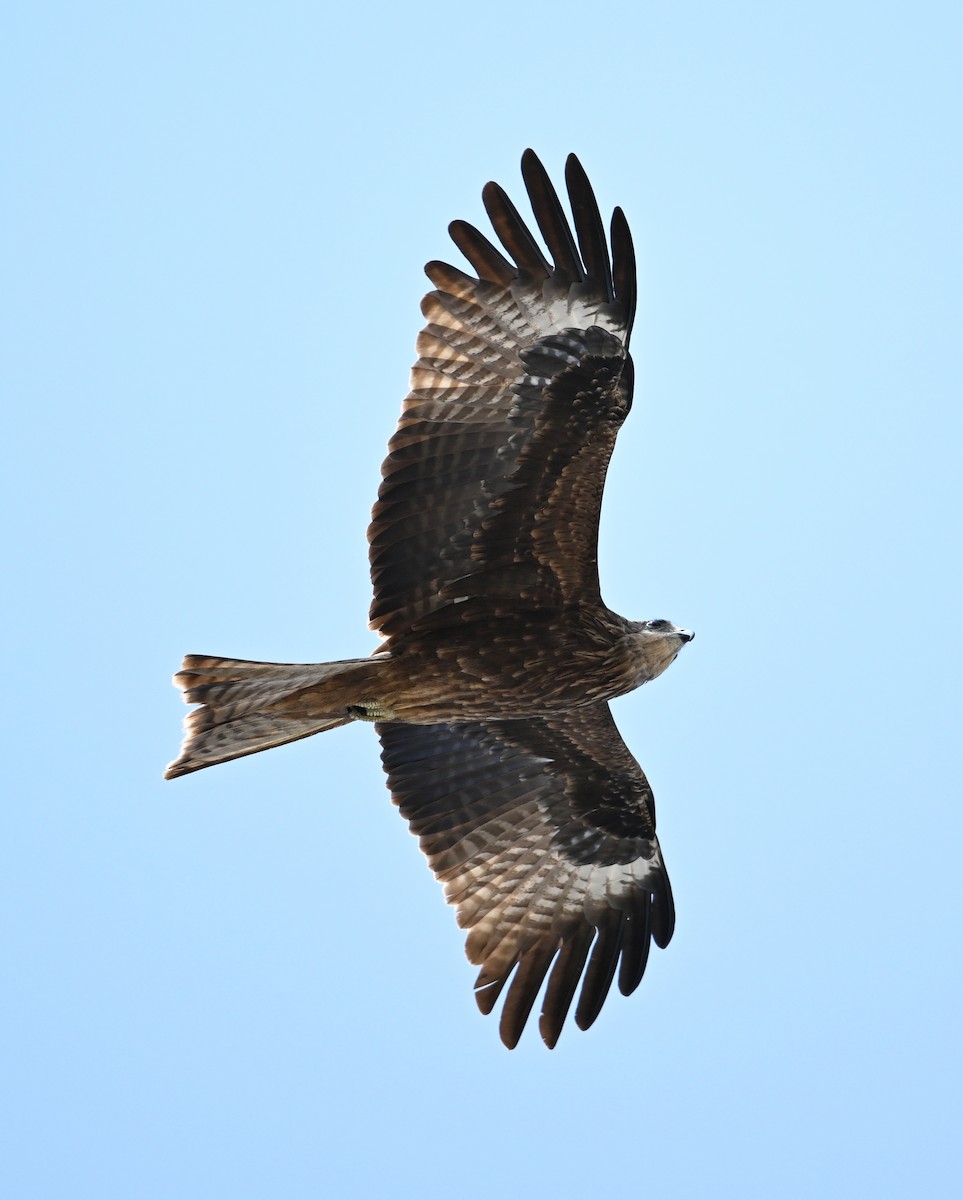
pixel 252 706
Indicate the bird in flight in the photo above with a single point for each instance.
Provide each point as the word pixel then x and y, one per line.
pixel 490 689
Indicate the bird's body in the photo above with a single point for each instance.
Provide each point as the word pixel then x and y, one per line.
pixel 490 689
pixel 507 667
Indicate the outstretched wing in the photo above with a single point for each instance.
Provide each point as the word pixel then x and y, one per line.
pixel 543 833
pixel 493 482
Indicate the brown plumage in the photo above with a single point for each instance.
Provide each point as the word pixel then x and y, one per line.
pixel 491 687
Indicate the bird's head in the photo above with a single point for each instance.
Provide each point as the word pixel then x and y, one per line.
pixel 657 644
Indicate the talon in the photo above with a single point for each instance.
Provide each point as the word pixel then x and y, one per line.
pixel 369 710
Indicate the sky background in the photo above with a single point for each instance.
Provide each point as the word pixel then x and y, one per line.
pixel 245 983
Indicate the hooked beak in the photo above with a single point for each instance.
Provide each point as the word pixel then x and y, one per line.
pixel 686 635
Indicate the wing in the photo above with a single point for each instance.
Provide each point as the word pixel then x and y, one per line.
pixel 493 482
pixel 543 833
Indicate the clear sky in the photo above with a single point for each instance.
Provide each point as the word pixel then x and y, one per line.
pixel 245 983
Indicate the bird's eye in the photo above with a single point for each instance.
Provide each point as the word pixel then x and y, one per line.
pixel 659 626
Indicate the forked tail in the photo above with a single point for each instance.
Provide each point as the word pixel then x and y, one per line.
pixel 252 706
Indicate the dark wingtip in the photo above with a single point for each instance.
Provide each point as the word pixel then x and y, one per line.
pixel 483 256
pixel 513 233
pixel 494 193
pixel 588 226
pixel 509 1036
pixel 553 224
pixel 663 916
pixel 601 968
pixel 623 265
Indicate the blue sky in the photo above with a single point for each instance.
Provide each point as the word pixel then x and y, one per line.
pixel 245 983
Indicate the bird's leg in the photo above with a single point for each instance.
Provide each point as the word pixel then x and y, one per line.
pixel 370 710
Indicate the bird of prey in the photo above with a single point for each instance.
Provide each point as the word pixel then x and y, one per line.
pixel 490 689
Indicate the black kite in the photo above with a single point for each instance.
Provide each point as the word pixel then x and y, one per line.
pixel 490 689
